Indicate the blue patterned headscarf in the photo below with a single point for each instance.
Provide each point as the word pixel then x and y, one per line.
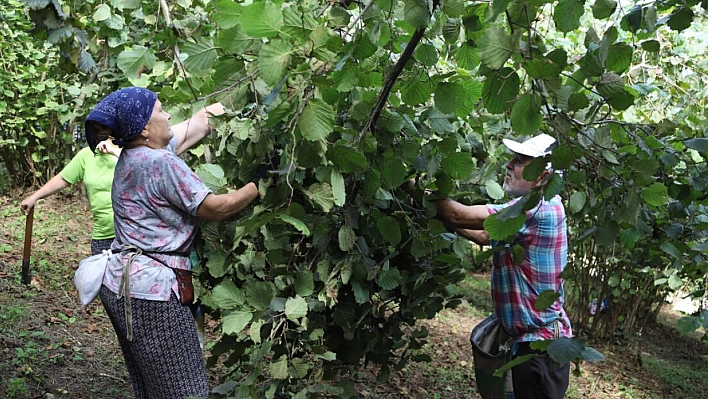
pixel 125 111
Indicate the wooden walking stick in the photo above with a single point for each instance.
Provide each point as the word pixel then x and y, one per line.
pixel 26 275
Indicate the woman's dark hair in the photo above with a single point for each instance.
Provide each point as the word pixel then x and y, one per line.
pixel 97 132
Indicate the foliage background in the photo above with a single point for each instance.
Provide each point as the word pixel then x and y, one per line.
pixel 337 262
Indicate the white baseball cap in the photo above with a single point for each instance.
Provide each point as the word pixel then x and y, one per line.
pixel 535 147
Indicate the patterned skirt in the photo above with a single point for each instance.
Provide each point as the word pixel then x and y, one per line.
pixel 164 358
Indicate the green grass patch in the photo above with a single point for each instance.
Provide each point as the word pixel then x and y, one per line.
pixel 687 378
pixel 475 289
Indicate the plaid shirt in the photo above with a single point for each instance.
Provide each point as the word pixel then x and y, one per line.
pixel 515 288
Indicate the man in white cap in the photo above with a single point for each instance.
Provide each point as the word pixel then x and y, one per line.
pixel 515 287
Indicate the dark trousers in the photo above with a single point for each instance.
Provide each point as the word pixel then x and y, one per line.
pixel 540 377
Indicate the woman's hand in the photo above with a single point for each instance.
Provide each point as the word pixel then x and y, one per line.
pixel 27 204
pixel 107 147
pixel 216 109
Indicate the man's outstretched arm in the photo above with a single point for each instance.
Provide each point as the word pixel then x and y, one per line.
pixel 459 216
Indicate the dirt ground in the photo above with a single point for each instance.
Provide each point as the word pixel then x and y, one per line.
pixel 52 348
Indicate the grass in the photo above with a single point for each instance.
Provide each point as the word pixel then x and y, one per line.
pixel 684 377
pixel 28 357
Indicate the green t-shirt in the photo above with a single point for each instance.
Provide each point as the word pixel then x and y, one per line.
pixel 96 171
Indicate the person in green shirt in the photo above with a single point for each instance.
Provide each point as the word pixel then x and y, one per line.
pixel 96 172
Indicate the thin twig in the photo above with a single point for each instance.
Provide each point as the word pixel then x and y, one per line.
pixel 168 22
pixel 358 17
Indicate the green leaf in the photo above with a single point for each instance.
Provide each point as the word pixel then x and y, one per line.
pixel 320 194
pixel 593 62
pixel 453 8
pixel 298 370
pixel 102 13
pixel 317 120
pixel 526 115
pixel 680 19
pixel 297 223
pixel 541 68
pixel 347 159
pixel 698 144
pixel 458 165
pixel 338 191
pixel 134 61
pixel 416 93
pixel 602 9
pixel 494 190
pixel 273 60
pixel 235 321
pixel 577 201
pixel 518 254
pixel 426 54
pixel 633 18
pixel 227 14
pixel 554 186
pixel 346 237
pixel 545 300
pixel 279 368
pixel 565 350
pixel 652 46
pixel 591 355
pixel 607 232
pixel 578 101
pixel 567 14
pixel 499 6
pixel 389 229
pixel 512 363
pixel 259 295
pixel 501 229
pixel 451 31
pixel 656 195
pixel 217 264
pixel 467 57
pixel 619 57
pixel 671 249
pixel 227 296
pixel 389 279
pixel 675 282
pixel 394 173
pixel 212 175
pixel 449 96
pixel 533 170
pixel 610 85
pixel 361 292
pixel 235 41
pixel 295 308
pixel 688 324
pixel 621 101
pixel 416 13
pixel 495 47
pixel 202 55
pixel 500 90
pixel 262 19
pixel 438 121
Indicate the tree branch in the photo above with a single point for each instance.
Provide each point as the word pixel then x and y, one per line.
pixel 391 80
pixel 168 22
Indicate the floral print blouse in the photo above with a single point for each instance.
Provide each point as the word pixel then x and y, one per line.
pixel 155 199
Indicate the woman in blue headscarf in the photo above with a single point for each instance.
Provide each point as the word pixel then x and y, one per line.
pixel 158 203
